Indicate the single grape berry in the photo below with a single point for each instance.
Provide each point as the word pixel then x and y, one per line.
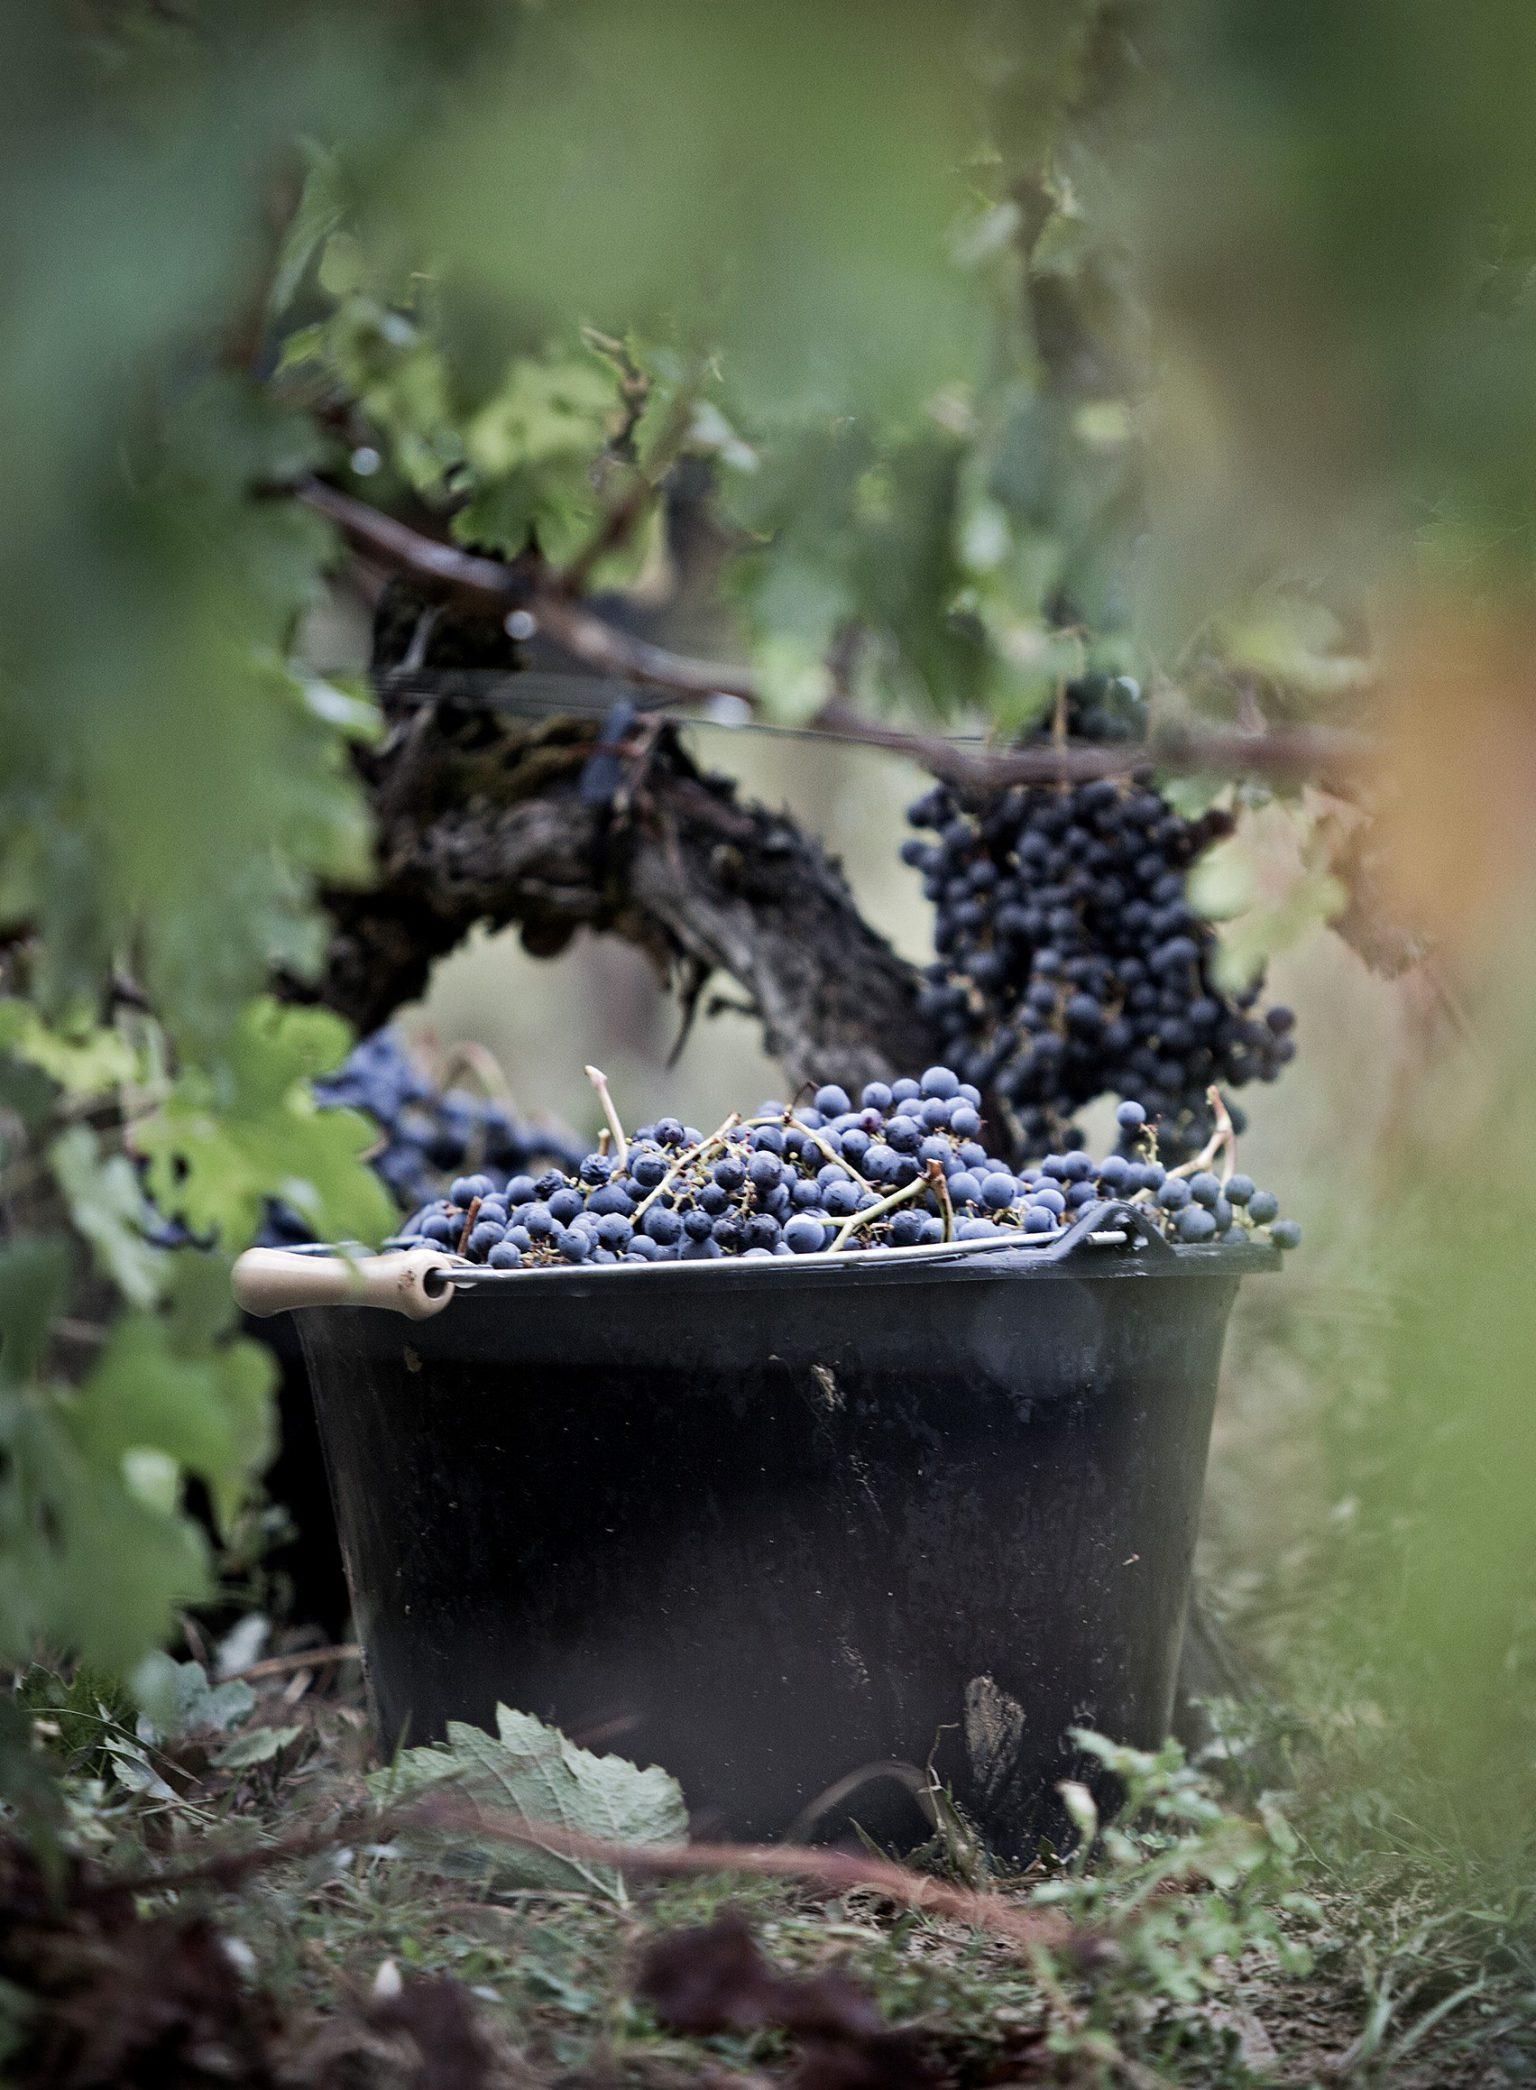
pixel 766 1171
pixel 804 1233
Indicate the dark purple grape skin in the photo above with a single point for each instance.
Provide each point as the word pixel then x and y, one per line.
pixel 1070 963
pixel 750 1195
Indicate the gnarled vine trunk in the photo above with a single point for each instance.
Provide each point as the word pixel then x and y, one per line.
pixel 486 818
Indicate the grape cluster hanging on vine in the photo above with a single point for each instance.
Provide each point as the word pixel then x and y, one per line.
pixel 1070 962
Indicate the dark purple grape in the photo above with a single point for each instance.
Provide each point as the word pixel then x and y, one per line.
pixel 805 1233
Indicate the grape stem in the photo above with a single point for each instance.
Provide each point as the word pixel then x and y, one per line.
pixel 1059 717
pixel 470 1058
pixel 1226 1133
pixel 685 1160
pixel 940 1182
pixel 469 1223
pixel 1223 1142
pixel 871 1213
pixel 832 1154
pixel 599 1081
pixel 788 1118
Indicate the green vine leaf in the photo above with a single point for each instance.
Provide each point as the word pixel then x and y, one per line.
pixel 534 1772
pixel 34 1270
pixel 178 1699
pixel 107 1203
pixel 209 1413
pixel 1267 887
pixel 84 1059
pixel 89 1562
pixel 319 213
pixel 229 1138
pixel 258 1746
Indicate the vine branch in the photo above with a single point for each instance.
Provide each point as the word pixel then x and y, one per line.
pixel 483 820
pixel 1280 755
pixel 621 517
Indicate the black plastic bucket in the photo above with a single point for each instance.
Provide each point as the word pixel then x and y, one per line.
pixel 780 1525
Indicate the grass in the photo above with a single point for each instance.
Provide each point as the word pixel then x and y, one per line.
pixel 1226 1939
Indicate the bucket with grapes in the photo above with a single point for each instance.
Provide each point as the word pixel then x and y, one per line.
pixel 816 1458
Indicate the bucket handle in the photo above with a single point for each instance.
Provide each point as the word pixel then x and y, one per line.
pixel 414 1282
pixel 1139 1230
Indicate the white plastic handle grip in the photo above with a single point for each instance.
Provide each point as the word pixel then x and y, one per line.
pixel 274 1281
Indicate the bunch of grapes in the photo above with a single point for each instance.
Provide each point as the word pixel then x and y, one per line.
pixel 429 1136
pixel 1070 963
pixel 904 1167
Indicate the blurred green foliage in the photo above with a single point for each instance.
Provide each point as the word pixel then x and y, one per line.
pixel 1335 221
pixel 1432 1610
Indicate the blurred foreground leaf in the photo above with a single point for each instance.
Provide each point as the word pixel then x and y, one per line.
pixel 229 1138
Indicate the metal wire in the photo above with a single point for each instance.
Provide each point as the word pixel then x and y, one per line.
pixel 476 1276
pixel 537 693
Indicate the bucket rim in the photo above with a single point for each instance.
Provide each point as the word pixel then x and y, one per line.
pixel 1107 1240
